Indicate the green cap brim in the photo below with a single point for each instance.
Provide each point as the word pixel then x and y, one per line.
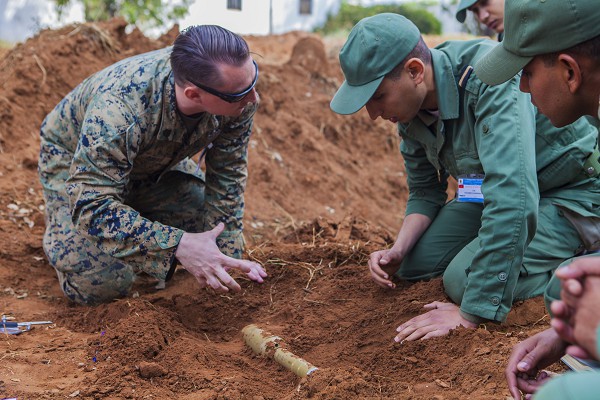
pixel 461 11
pixel 499 65
pixel 349 99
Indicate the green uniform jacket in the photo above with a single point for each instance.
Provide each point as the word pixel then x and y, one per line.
pixel 492 130
pixel 121 126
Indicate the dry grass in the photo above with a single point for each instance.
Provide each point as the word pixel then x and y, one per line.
pixel 98 36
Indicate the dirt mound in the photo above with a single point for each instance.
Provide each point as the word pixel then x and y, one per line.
pixel 37 74
pixel 324 191
pixel 350 229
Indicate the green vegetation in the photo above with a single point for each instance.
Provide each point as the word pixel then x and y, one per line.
pixel 349 15
pixel 144 13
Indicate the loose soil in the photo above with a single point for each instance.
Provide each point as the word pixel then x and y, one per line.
pixel 324 191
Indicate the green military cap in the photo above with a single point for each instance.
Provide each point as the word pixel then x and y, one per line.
pixel 461 11
pixel 534 27
pixel 374 47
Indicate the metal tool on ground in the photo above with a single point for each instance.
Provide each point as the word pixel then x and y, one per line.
pixel 266 344
pixel 14 328
pixel 578 364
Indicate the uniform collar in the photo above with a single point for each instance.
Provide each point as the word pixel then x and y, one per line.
pixel 172 126
pixel 428 117
pixel 445 85
pixel 169 100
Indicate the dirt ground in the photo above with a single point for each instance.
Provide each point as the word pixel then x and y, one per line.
pixel 324 191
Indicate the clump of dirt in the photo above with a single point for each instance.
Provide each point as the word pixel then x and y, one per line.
pixel 324 191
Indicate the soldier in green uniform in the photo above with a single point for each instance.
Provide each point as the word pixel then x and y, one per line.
pixel 484 242
pixel 556 44
pixel 487 12
pixel 122 195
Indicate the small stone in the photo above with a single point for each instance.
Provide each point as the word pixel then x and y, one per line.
pixel 441 383
pixel 484 351
pixel 151 370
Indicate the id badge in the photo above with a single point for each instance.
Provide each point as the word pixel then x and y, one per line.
pixel 469 188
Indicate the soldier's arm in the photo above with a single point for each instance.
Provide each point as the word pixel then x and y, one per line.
pixel 504 132
pixel 427 186
pixel 226 176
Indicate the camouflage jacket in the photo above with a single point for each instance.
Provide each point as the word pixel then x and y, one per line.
pixel 121 125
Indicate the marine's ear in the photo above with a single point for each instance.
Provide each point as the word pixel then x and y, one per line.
pixel 189 98
pixel 192 93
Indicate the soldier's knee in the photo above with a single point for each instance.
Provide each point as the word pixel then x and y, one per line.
pixel 98 288
pixel 62 254
pixel 454 289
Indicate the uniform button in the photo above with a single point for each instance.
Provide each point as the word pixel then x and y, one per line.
pixel 502 276
pixel 590 171
pixel 495 300
pixel 486 129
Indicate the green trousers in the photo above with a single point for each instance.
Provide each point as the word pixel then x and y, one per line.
pixel 448 246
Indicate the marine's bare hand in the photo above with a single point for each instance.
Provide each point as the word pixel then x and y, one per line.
pixel 199 254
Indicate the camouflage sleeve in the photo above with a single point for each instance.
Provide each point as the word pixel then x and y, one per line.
pixel 226 175
pixel 109 141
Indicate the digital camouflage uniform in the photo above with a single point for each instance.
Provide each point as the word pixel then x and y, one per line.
pixel 496 132
pixel 119 187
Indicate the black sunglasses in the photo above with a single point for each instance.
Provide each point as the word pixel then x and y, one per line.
pixel 231 97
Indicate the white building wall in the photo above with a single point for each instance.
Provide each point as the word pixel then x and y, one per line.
pixel 253 18
pixel 260 17
pixel 287 17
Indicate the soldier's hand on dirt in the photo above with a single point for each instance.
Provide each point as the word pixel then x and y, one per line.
pixel 382 266
pixel 438 321
pixel 199 254
pixel 528 358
